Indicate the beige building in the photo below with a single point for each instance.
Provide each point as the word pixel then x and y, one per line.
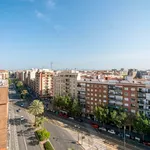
pixel 44 83
pixel 4 74
pixel 3 113
pixel 65 83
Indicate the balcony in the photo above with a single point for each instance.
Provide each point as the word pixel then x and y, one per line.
pixel 141 95
pixel 111 92
pixel 111 97
pixel 111 87
pixel 118 93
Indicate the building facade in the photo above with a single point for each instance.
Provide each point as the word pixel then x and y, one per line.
pixel 65 83
pixel 44 84
pixel 3 113
pixel 4 74
pixel 131 96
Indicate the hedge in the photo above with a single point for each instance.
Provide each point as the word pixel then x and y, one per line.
pixel 43 134
pixel 48 146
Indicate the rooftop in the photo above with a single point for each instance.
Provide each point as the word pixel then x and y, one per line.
pixel 3 83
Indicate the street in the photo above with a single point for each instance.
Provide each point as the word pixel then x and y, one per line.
pixel 21 133
pixel 60 138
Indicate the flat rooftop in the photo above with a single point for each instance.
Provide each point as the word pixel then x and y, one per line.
pixel 3 83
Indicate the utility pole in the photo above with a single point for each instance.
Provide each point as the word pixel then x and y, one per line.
pixel 124 139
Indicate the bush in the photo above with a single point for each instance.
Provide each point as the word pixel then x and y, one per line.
pixel 48 146
pixel 43 134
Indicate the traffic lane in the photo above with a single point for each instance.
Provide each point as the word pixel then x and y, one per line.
pixel 14 145
pixel 28 130
pixel 60 138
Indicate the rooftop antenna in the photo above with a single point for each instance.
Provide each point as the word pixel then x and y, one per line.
pixel 51 65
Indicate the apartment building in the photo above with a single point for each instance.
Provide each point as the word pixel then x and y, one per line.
pixel 131 96
pixel 4 74
pixel 3 113
pixel 31 78
pixel 44 83
pixel 65 83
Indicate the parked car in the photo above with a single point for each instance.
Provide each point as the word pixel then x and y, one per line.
pixel 127 135
pixel 71 118
pixel 78 119
pixel 18 110
pixel 111 131
pixel 137 139
pixel 96 126
pixel 146 143
pixel 102 128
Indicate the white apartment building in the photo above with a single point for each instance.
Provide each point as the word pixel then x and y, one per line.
pixel 65 83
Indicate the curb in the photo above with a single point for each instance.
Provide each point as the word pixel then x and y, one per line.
pixel 51 144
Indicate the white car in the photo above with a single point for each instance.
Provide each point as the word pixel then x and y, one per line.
pixel 71 118
pixel 111 131
pixel 22 118
pixel 102 128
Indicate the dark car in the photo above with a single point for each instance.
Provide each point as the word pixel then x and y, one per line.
pixel 78 119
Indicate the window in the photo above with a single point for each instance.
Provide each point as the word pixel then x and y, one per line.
pixel 91 85
pixel 88 89
pixel 100 100
pixel 104 86
pixel 95 99
pixel 87 98
pixel 95 94
pixel 133 95
pixel 126 94
pixel 91 89
pixel 104 101
pixel 126 88
pixel 91 103
pixel 132 89
pixel 126 99
pixel 132 99
pixel 88 93
pixel 100 95
pixel 95 90
pixel 100 90
pixel 132 105
pixel 104 96
pixel 95 86
pixel 92 94
pixel 88 85
pixel 99 86
pixel 132 110
pixel 91 98
pixel 104 91
pixel 126 104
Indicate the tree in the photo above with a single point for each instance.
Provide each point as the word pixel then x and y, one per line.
pixel 24 94
pixel 141 124
pixel 40 120
pixel 43 134
pixel 36 108
pixel 102 114
pixel 19 84
pixel 9 81
pixel 75 109
pixel 63 102
pixel 118 117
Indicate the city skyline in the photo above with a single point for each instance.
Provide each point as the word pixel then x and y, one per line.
pixel 74 34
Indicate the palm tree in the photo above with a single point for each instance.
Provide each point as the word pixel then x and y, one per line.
pixel 36 108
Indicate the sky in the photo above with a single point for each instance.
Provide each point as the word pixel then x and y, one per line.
pixel 82 34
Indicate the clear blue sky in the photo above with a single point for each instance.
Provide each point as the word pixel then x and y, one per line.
pixel 90 34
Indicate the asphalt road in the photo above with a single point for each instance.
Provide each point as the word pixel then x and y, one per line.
pixel 21 133
pixel 60 138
